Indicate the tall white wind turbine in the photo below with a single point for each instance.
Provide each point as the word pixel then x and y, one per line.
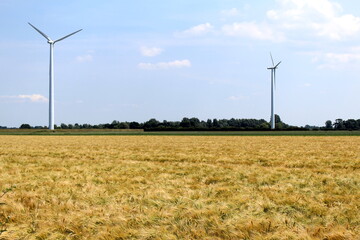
pixel 51 74
pixel 273 84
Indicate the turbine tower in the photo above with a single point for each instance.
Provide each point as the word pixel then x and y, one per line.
pixel 51 73
pixel 273 84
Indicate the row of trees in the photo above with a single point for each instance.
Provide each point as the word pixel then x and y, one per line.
pixel 184 124
pixel 340 124
pixel 209 125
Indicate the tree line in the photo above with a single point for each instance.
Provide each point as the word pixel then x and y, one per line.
pixel 194 124
pixel 340 124
pixel 186 124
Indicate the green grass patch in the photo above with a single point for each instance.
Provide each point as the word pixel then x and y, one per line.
pixel 141 132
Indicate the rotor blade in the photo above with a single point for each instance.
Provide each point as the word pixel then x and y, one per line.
pixel 44 35
pixel 275 78
pixel 272 60
pixel 277 64
pixel 67 36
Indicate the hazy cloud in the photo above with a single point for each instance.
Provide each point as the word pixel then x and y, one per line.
pixel 165 65
pixel 253 30
pixel 31 98
pixel 344 57
pixel 349 58
pixel 230 12
pixel 150 52
pixel 197 30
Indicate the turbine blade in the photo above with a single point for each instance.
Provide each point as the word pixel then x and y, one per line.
pixel 272 60
pixel 67 36
pixel 44 35
pixel 277 64
pixel 275 78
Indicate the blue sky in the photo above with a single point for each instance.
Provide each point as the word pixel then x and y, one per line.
pixel 136 60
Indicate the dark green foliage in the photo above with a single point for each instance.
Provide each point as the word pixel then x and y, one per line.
pixel 350 124
pixel 25 126
pixel 186 124
pixel 328 124
pixel 194 124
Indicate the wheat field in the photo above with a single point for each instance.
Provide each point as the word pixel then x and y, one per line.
pixel 179 187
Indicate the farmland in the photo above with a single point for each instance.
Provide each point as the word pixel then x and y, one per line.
pixel 180 187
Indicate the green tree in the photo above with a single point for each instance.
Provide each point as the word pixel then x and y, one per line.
pixel 351 124
pixel 124 125
pixel 151 124
pixel 339 124
pixel 264 125
pixel 185 123
pixel 25 126
pixel 216 123
pixel 209 123
pixel 134 125
pixel 115 124
pixel 195 122
pixel 328 124
pixel 277 119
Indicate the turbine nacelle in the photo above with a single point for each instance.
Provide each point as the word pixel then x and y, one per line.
pixel 274 66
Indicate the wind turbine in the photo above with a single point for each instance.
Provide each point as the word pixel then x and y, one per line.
pixel 51 73
pixel 273 84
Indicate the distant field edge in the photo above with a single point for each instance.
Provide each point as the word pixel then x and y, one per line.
pixel 120 132
pixel 70 131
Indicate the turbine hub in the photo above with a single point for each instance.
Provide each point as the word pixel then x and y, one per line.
pixel 51 42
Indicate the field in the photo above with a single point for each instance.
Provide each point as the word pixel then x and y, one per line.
pixel 180 187
pixel 141 132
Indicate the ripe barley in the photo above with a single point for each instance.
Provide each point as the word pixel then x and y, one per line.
pixel 179 187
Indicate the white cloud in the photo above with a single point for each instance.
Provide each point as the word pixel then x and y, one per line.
pixel 150 52
pixel 34 98
pixel 292 20
pixel 230 12
pixel 342 57
pixel 339 28
pixel 198 30
pixel 323 18
pixel 336 58
pixel 349 58
pixel 253 30
pixel 85 58
pixel 165 65
pixel 31 98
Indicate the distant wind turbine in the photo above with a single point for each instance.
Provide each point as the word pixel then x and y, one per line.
pixel 51 74
pixel 273 84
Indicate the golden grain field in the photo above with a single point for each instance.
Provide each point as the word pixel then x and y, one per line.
pixel 179 187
